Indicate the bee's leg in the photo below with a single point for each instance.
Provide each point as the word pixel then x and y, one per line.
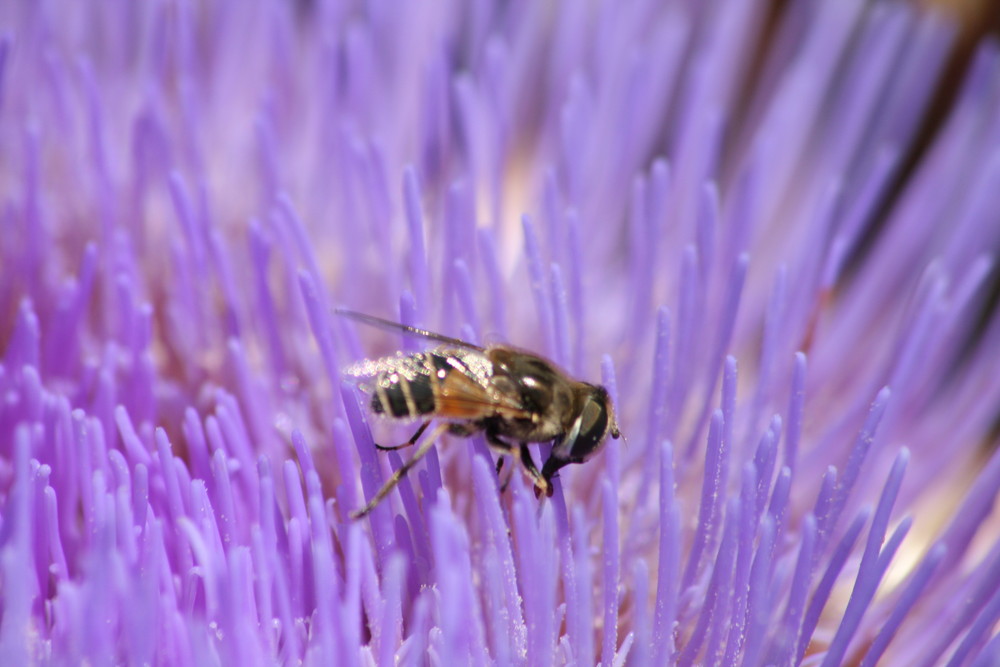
pixel 502 448
pixel 522 455
pixel 510 474
pixel 541 484
pixel 409 443
pixel 391 483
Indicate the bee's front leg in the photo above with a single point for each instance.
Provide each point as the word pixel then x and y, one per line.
pixel 523 455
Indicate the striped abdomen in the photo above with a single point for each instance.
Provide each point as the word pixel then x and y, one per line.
pixel 406 388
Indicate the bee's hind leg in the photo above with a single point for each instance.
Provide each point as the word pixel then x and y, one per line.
pixel 400 473
pixel 409 443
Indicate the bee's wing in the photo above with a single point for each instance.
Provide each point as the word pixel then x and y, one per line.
pixel 389 325
pixel 468 395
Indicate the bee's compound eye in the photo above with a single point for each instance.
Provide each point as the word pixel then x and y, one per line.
pixel 591 428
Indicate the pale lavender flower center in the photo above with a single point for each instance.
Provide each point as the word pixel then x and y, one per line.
pixel 715 213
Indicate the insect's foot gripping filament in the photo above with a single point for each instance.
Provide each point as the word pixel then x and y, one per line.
pixel 398 476
pixel 543 487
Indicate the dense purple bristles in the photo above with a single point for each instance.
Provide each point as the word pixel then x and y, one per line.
pixel 718 211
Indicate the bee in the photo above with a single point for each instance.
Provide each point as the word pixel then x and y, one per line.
pixel 510 396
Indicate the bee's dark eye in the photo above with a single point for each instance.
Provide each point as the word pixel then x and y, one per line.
pixel 593 427
pixel 587 432
pixel 594 421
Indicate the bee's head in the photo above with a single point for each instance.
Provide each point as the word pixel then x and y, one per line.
pixel 593 421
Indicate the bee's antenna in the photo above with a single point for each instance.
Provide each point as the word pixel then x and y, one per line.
pixel 616 432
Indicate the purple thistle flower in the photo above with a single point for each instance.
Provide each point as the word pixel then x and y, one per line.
pixel 726 219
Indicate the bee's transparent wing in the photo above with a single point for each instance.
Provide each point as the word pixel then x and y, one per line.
pixel 389 325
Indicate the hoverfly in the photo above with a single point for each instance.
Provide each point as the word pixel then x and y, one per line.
pixel 511 396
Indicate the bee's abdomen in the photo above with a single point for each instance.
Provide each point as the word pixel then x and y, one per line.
pixel 407 390
pixel 392 400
